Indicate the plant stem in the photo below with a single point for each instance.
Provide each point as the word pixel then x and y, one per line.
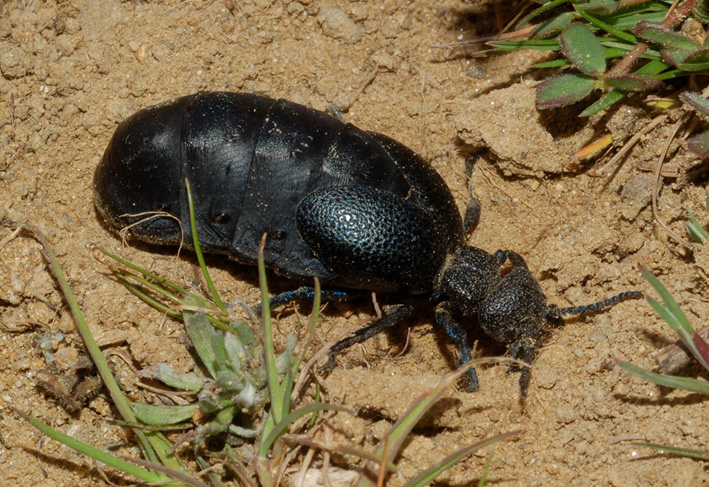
pixel 677 16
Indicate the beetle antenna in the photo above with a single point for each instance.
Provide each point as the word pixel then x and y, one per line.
pixel 556 312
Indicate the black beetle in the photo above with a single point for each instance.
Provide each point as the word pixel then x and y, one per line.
pixel 356 209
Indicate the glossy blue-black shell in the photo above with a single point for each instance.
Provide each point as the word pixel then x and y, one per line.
pixel 354 208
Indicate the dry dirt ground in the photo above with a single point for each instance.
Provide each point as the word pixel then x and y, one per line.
pixel 73 69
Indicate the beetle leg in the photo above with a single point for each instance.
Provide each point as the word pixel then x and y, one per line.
pixel 308 293
pixel 393 315
pixel 513 257
pixel 472 209
pixel 524 349
pixel 444 319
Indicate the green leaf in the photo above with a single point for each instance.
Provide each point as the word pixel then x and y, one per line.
pixel 603 102
pixel 200 332
pixel 167 375
pixel 695 229
pixel 676 382
pixel 559 91
pixel 198 249
pixel 666 37
pixel 631 82
pixel 697 102
pixel 693 68
pixel 698 57
pixel 552 27
pixel 700 144
pixel 581 47
pixel 687 60
pixel 163 415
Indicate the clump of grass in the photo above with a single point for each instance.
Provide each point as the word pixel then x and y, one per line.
pixel 617 47
pixel 246 383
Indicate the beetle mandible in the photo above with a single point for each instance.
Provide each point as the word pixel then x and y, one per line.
pixel 356 209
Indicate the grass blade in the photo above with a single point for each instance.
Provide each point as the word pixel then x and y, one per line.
pixel 685 452
pixel 95 453
pixel 281 427
pixel 198 250
pixel 430 474
pixel 688 384
pixel 153 444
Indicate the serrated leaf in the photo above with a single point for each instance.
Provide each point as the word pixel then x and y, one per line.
pixel 559 91
pixel 165 374
pixel 551 27
pixel 631 82
pixel 583 49
pixel 666 37
pixel 700 144
pixel 697 102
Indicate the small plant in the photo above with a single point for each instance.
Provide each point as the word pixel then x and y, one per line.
pixel 589 34
pixel 692 340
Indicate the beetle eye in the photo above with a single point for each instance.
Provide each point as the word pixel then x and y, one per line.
pixel 222 218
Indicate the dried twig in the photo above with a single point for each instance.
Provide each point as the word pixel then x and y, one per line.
pixel 673 358
pixel 656 185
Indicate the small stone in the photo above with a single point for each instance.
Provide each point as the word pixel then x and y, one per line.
pixel 336 24
pixel 13 62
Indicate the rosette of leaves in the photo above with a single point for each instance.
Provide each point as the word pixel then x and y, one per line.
pixel 236 381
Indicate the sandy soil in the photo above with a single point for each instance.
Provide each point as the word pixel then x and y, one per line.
pixel 71 71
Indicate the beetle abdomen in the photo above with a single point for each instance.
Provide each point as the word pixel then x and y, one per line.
pixel 251 161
